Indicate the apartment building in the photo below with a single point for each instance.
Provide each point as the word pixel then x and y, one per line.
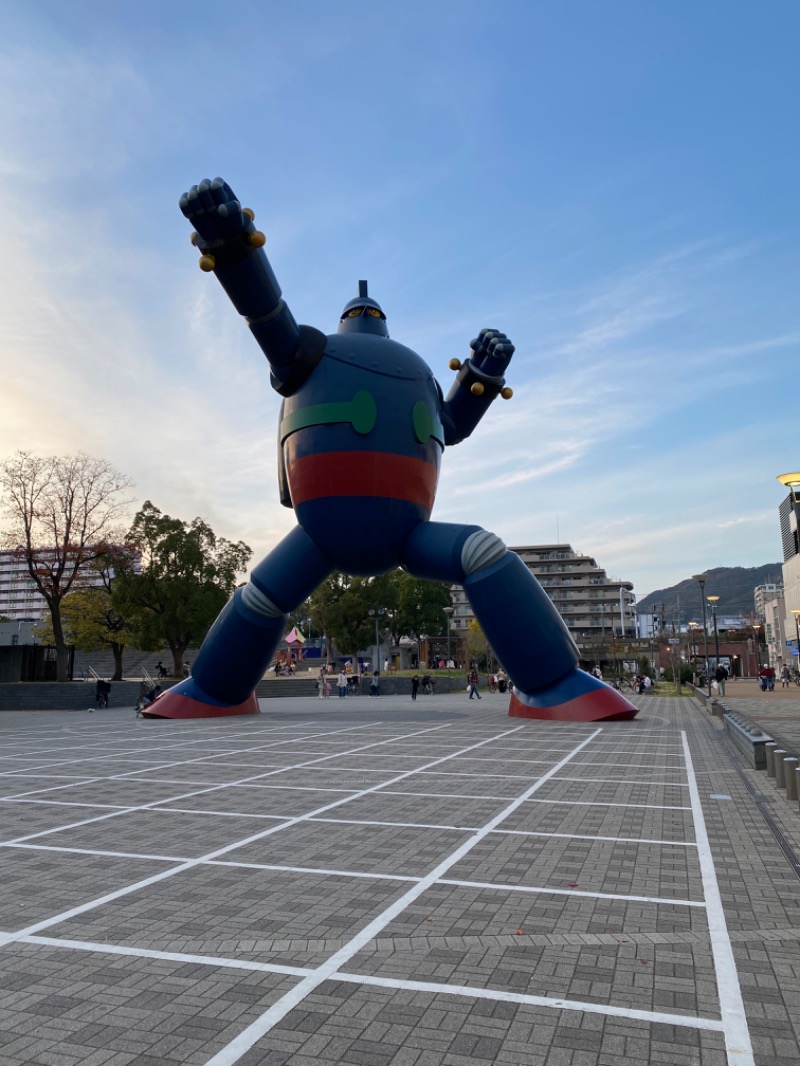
pixel 789 517
pixel 595 608
pixel 20 600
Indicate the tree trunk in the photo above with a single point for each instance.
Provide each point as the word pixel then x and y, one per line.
pixel 62 652
pixel 117 650
pixel 178 654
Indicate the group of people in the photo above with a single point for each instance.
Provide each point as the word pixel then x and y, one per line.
pixel 766 678
pixel 345 683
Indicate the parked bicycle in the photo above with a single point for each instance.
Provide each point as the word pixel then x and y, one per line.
pixel 622 684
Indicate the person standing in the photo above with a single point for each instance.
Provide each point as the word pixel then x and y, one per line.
pixel 375 685
pixel 341 684
pixel 414 686
pixel 721 676
pixel 473 679
pixel 321 683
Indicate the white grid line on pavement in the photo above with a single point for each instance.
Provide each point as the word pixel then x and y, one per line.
pixel 737 1034
pixel 156 878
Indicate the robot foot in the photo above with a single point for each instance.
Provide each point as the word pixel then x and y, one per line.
pixel 187 700
pixel 576 697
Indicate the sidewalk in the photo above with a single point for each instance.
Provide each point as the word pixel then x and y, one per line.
pixel 778 712
pixel 386 882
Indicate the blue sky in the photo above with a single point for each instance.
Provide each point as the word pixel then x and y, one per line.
pixel 613 185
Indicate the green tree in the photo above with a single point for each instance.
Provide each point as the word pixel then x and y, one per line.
pixel 61 514
pixel 187 574
pixel 419 607
pixel 90 622
pixel 339 608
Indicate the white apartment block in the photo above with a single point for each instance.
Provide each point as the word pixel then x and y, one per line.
pixel 592 605
pixel 20 600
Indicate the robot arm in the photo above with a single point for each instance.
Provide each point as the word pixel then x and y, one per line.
pixel 232 247
pixel 477 383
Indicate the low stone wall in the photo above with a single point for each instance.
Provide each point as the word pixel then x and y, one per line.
pixel 69 696
pixel 79 695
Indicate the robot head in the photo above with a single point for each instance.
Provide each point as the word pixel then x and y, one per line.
pixel 363 315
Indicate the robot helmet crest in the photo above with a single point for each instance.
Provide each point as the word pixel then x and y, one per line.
pixel 363 315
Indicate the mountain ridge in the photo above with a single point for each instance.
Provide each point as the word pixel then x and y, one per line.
pixel 734 585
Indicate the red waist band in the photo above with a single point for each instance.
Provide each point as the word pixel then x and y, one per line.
pixel 395 477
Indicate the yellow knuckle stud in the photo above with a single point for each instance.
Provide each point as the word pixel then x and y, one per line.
pixel 256 239
pixel 476 389
pixel 455 364
pixel 506 393
pixel 250 213
pixel 193 238
pixel 207 263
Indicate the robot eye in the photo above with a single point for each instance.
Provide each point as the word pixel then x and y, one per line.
pixel 374 312
pixel 354 312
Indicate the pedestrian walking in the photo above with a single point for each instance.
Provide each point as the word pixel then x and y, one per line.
pixel 375 685
pixel 414 686
pixel 341 684
pixel 473 680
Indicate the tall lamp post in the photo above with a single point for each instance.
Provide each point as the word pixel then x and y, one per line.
pixel 692 628
pixel 797 627
pixel 757 646
pixel 376 665
pixel 713 601
pixel 448 613
pixel 701 580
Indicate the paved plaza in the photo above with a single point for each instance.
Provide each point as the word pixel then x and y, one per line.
pixel 388 883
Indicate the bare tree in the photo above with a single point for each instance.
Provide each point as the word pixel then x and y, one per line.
pixel 61 515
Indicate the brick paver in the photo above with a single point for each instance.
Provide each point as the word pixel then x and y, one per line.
pixel 370 882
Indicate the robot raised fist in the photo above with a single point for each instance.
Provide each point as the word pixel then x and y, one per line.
pixel 356 402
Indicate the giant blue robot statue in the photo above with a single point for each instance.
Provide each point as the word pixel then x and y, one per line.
pixel 362 430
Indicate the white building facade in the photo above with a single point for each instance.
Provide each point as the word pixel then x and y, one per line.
pixel 593 606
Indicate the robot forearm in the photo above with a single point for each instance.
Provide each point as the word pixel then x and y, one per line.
pixel 478 382
pixel 232 248
pixel 468 401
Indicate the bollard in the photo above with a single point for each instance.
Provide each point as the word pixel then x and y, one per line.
pixel 769 748
pixel 778 755
pixel 790 776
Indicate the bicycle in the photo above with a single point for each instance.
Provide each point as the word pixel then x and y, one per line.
pixel 621 684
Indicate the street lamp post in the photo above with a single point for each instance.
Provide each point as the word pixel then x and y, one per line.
pixel 796 614
pixel 713 601
pixel 701 580
pixel 756 646
pixel 692 628
pixel 376 613
pixel 448 612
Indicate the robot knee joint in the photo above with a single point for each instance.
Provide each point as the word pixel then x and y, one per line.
pixel 255 601
pixel 480 550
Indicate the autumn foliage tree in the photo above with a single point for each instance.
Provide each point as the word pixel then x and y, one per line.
pixel 61 514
